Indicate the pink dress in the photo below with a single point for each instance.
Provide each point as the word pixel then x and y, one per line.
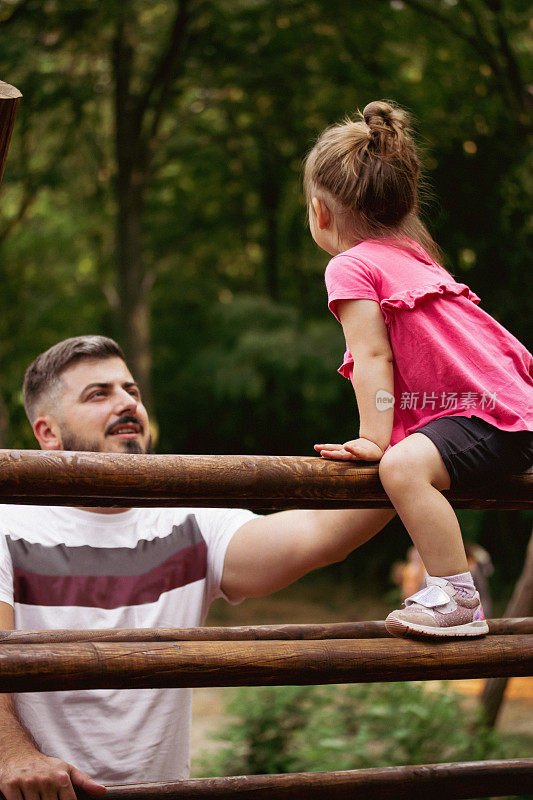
pixel 451 358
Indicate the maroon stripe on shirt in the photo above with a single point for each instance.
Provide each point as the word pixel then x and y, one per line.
pixel 112 591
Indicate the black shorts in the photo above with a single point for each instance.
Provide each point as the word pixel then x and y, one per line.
pixel 476 453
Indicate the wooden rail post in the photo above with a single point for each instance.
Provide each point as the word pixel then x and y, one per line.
pixel 455 781
pixel 139 665
pixel 9 103
pixel 255 482
pixel 372 629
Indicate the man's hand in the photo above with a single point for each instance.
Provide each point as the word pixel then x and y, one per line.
pixel 25 773
pixel 34 776
pixel 354 450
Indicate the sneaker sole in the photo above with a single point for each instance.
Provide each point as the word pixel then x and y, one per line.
pixel 401 629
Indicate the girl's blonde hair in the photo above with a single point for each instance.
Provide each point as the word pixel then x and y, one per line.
pixel 368 171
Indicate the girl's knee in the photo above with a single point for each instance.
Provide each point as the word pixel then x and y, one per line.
pixel 392 467
pixel 413 460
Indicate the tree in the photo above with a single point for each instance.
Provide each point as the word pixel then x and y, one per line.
pixel 520 605
pixel 489 27
pixel 141 104
pixel 9 102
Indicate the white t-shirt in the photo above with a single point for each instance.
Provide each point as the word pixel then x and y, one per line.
pixel 142 568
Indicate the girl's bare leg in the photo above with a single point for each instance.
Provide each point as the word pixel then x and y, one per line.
pixel 413 474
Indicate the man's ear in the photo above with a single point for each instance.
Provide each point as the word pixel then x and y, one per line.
pixel 47 433
pixel 323 214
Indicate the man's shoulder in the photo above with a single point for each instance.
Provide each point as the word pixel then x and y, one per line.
pixel 208 517
pixel 16 511
pixel 141 522
pixel 214 525
pixel 22 517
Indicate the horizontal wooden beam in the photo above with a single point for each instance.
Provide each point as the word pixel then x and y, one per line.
pixel 332 630
pixel 130 665
pixel 9 103
pixel 454 781
pixel 258 482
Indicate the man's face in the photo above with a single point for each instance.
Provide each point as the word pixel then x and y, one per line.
pixel 100 409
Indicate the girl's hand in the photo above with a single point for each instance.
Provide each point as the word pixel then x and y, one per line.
pixel 354 450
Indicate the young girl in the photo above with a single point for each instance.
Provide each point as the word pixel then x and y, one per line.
pixel 445 393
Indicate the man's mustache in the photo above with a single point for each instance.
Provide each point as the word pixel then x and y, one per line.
pixel 123 421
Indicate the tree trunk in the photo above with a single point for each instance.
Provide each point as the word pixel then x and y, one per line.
pixel 134 307
pixel 134 303
pixel 9 103
pixel 270 196
pixel 135 139
pixel 520 605
pixel 271 250
pixel 4 423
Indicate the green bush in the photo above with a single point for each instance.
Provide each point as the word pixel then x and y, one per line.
pixel 313 728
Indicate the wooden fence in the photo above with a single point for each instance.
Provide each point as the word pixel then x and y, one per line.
pixel 258 655
pixel 256 482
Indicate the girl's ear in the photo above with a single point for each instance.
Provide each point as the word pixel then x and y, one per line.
pixel 323 214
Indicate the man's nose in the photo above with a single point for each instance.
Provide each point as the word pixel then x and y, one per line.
pixel 125 402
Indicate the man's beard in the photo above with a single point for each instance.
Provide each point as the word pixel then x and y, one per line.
pixel 71 441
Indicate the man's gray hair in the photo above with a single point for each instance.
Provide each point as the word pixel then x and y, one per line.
pixel 42 376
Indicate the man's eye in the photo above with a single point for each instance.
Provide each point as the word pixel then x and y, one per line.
pixel 98 393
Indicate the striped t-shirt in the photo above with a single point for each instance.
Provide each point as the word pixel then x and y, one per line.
pixel 142 568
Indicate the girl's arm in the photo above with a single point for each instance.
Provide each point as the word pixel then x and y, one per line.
pixel 367 337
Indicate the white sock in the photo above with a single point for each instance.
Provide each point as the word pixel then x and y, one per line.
pixel 463 583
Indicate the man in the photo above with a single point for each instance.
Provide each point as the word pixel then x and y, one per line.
pixel 116 568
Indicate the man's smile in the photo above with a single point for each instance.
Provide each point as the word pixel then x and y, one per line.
pixel 126 427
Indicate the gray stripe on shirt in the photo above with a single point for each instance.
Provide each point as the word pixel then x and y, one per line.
pixel 86 560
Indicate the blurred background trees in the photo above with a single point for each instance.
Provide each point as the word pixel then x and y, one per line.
pixel 153 193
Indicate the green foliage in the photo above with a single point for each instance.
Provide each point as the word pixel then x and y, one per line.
pixel 314 728
pixel 262 363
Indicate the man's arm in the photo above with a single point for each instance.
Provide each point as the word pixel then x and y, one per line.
pixel 25 773
pixel 268 553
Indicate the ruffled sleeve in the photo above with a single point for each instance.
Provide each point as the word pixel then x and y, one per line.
pixel 411 298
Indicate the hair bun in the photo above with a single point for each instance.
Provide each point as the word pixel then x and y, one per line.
pixel 381 112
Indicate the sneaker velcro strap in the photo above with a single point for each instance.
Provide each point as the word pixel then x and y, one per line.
pixel 430 597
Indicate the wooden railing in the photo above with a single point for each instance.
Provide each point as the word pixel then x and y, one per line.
pixel 258 655
pixel 256 482
pixel 458 781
